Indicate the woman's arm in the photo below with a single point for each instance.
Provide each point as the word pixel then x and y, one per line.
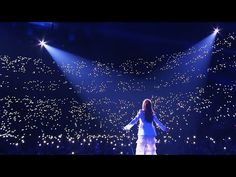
pixel 133 122
pixel 162 127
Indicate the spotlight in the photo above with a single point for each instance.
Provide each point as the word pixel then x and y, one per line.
pixel 216 30
pixel 42 43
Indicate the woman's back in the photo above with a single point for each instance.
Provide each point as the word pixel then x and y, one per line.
pixel 145 127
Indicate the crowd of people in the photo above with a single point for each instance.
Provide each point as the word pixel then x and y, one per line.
pixel 43 112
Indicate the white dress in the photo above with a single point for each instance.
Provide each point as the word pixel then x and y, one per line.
pixel 146 143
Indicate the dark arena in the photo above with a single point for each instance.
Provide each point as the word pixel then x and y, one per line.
pixel 70 88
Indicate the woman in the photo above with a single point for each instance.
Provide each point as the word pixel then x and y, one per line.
pixel 146 143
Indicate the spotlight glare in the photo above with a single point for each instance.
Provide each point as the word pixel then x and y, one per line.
pixel 42 43
pixel 216 30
